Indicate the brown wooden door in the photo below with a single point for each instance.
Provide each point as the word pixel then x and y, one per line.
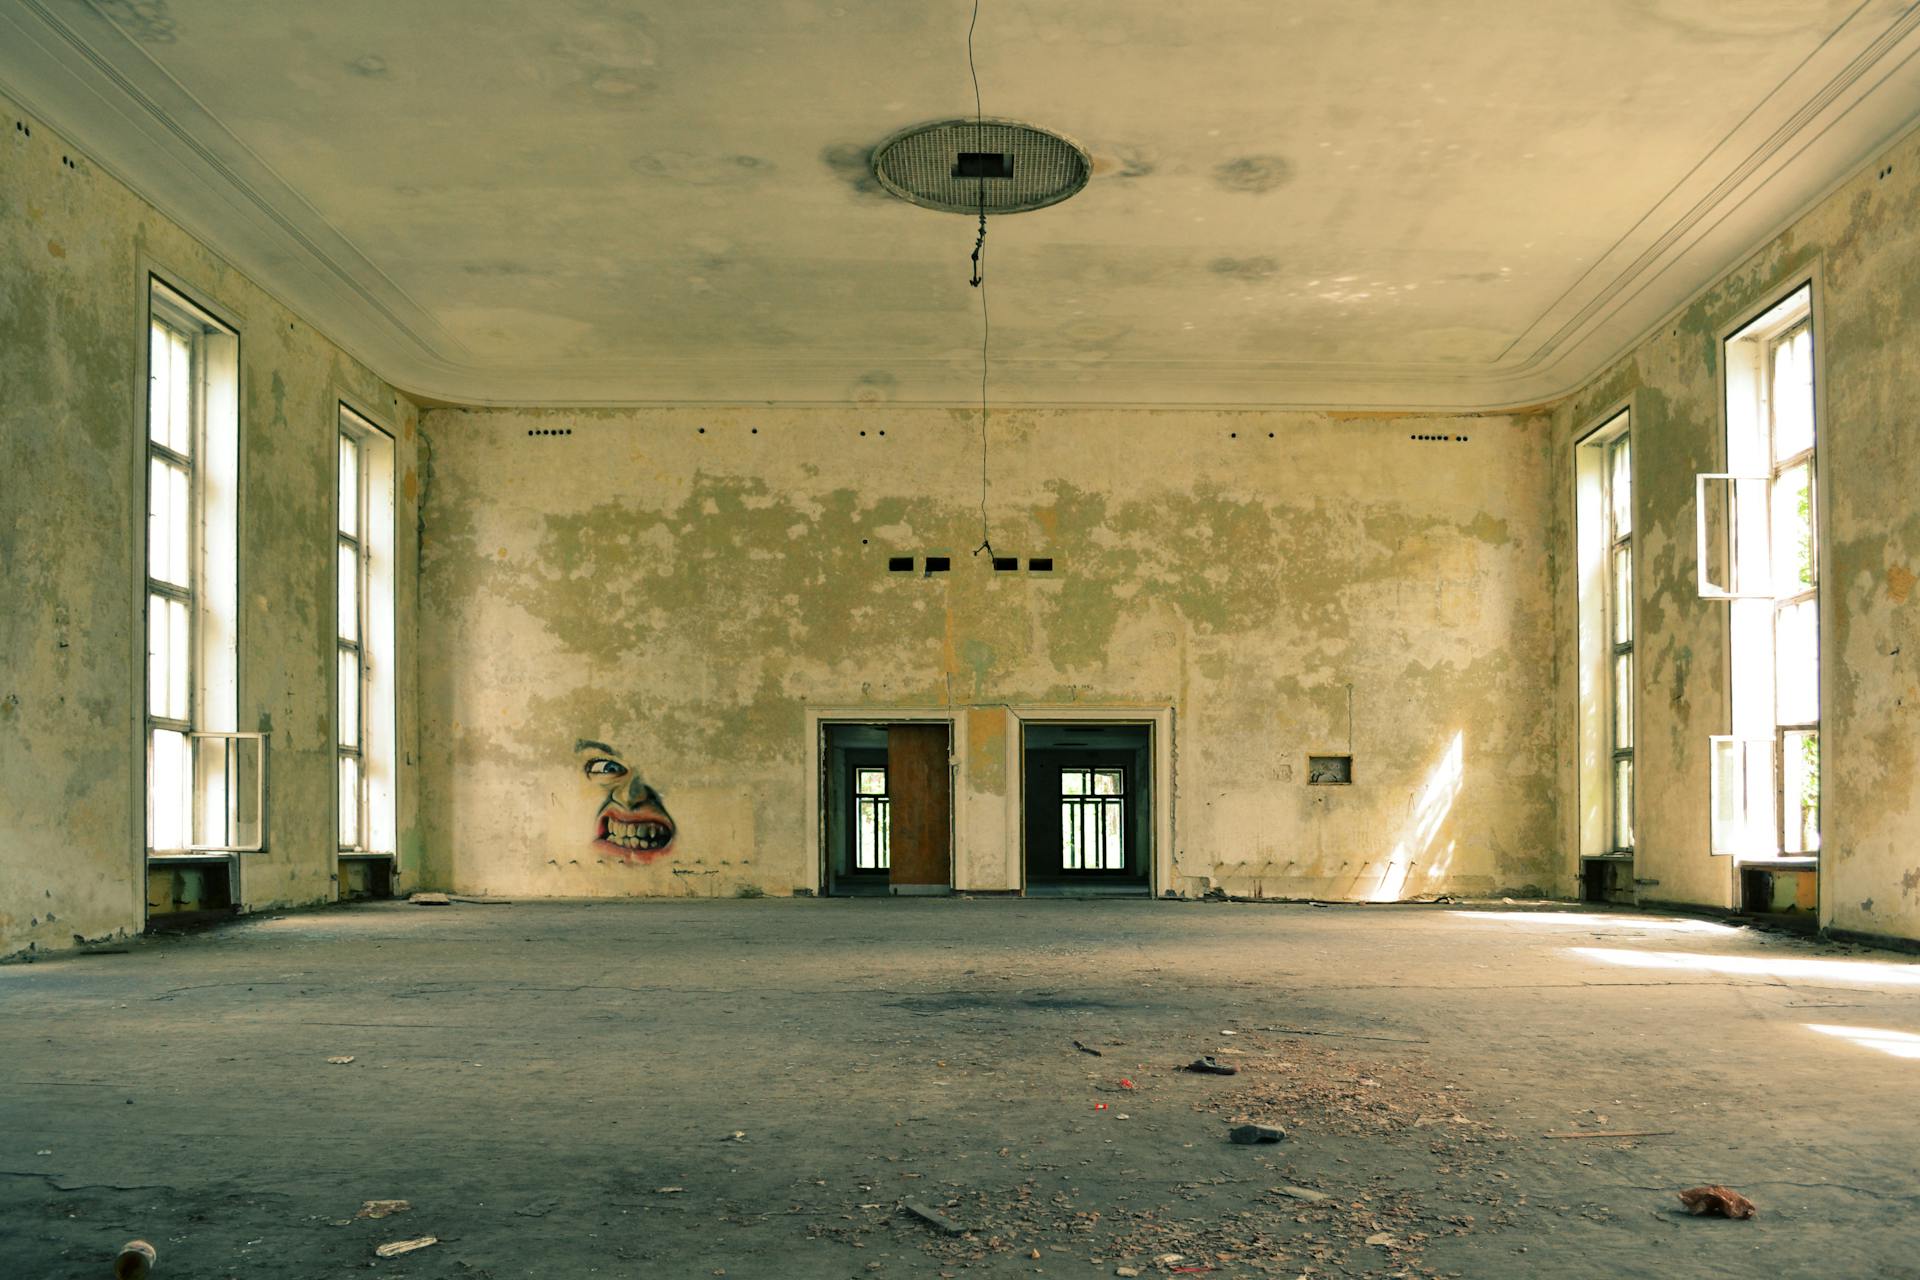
pixel 920 792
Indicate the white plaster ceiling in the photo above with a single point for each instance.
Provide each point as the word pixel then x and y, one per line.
pixel 1372 203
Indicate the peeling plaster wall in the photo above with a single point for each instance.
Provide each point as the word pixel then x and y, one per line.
pixel 1862 247
pixel 74 248
pixel 684 584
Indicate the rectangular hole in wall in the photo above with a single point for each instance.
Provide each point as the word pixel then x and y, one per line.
pixel 1040 564
pixel 899 564
pixel 1329 771
pixel 938 564
pixel 1006 564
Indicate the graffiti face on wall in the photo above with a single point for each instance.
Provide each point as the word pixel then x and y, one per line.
pixel 630 820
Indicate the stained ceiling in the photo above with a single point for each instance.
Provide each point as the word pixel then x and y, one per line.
pixel 1378 203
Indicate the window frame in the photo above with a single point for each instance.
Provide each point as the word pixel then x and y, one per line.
pixel 1778 466
pixel 882 803
pixel 350 435
pixel 1617 648
pixel 1750 423
pixel 1091 799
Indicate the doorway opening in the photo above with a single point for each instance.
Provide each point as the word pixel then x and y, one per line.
pixel 1088 808
pixel 888 808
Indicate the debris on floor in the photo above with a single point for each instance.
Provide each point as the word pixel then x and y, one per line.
pixel 1209 1066
pixel 382 1208
pixel 1084 1049
pixel 933 1217
pixel 135 1261
pixel 1717 1201
pixel 399 1247
pixel 1247 1135
pixel 340 1059
pixel 430 900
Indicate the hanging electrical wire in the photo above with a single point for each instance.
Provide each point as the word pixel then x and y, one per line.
pixel 979 281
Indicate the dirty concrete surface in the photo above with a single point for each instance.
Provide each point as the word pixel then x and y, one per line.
pixel 556 1089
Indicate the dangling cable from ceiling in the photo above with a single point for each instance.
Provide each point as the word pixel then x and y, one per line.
pixel 979 281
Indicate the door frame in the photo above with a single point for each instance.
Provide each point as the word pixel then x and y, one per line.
pixel 818 718
pixel 1159 723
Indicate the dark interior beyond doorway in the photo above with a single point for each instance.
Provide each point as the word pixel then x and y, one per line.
pixel 1088 808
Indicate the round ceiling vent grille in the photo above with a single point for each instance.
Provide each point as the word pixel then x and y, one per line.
pixel 963 166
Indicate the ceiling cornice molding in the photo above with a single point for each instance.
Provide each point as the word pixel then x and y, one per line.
pixel 1816 128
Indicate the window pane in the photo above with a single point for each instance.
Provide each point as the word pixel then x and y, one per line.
pixel 870 782
pixel 1115 845
pixel 1073 782
pixel 167 657
pixel 349 486
pixel 1793 395
pixel 1107 782
pixel 1622 601
pixel 349 695
pixel 158 656
pixel 170 391
pixel 1623 804
pixel 1800 788
pixel 169 788
pixel 866 837
pixel 1620 486
pixel 169 510
pixel 180 659
pixel 1796 658
pixel 1793 563
pixel 1623 701
pixel 349 802
pixel 349 603
pixel 159 385
pixel 1069 836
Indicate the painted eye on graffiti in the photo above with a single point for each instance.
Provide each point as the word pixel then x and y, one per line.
pixel 602 768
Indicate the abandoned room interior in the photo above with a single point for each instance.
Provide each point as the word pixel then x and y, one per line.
pixel 837 639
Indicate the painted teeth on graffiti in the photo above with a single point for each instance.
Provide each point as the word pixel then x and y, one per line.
pixel 630 820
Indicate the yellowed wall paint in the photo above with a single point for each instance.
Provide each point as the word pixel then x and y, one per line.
pixel 1861 248
pixel 689 582
pixel 74 246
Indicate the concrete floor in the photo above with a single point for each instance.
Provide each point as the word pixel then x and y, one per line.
pixel 554 1088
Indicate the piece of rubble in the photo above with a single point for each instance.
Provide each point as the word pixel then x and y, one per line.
pixel 1248 1135
pixel 398 1247
pixel 382 1208
pixel 933 1217
pixel 1717 1200
pixel 430 900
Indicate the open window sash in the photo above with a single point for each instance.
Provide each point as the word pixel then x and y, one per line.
pixel 1734 536
pixel 229 792
pixel 1742 802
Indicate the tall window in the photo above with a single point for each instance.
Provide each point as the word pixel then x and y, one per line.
pixel 364 659
pixel 1603 520
pixel 1760 552
pixel 873 821
pixel 200 795
pixel 1796 604
pixel 1619 607
pixel 1093 820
